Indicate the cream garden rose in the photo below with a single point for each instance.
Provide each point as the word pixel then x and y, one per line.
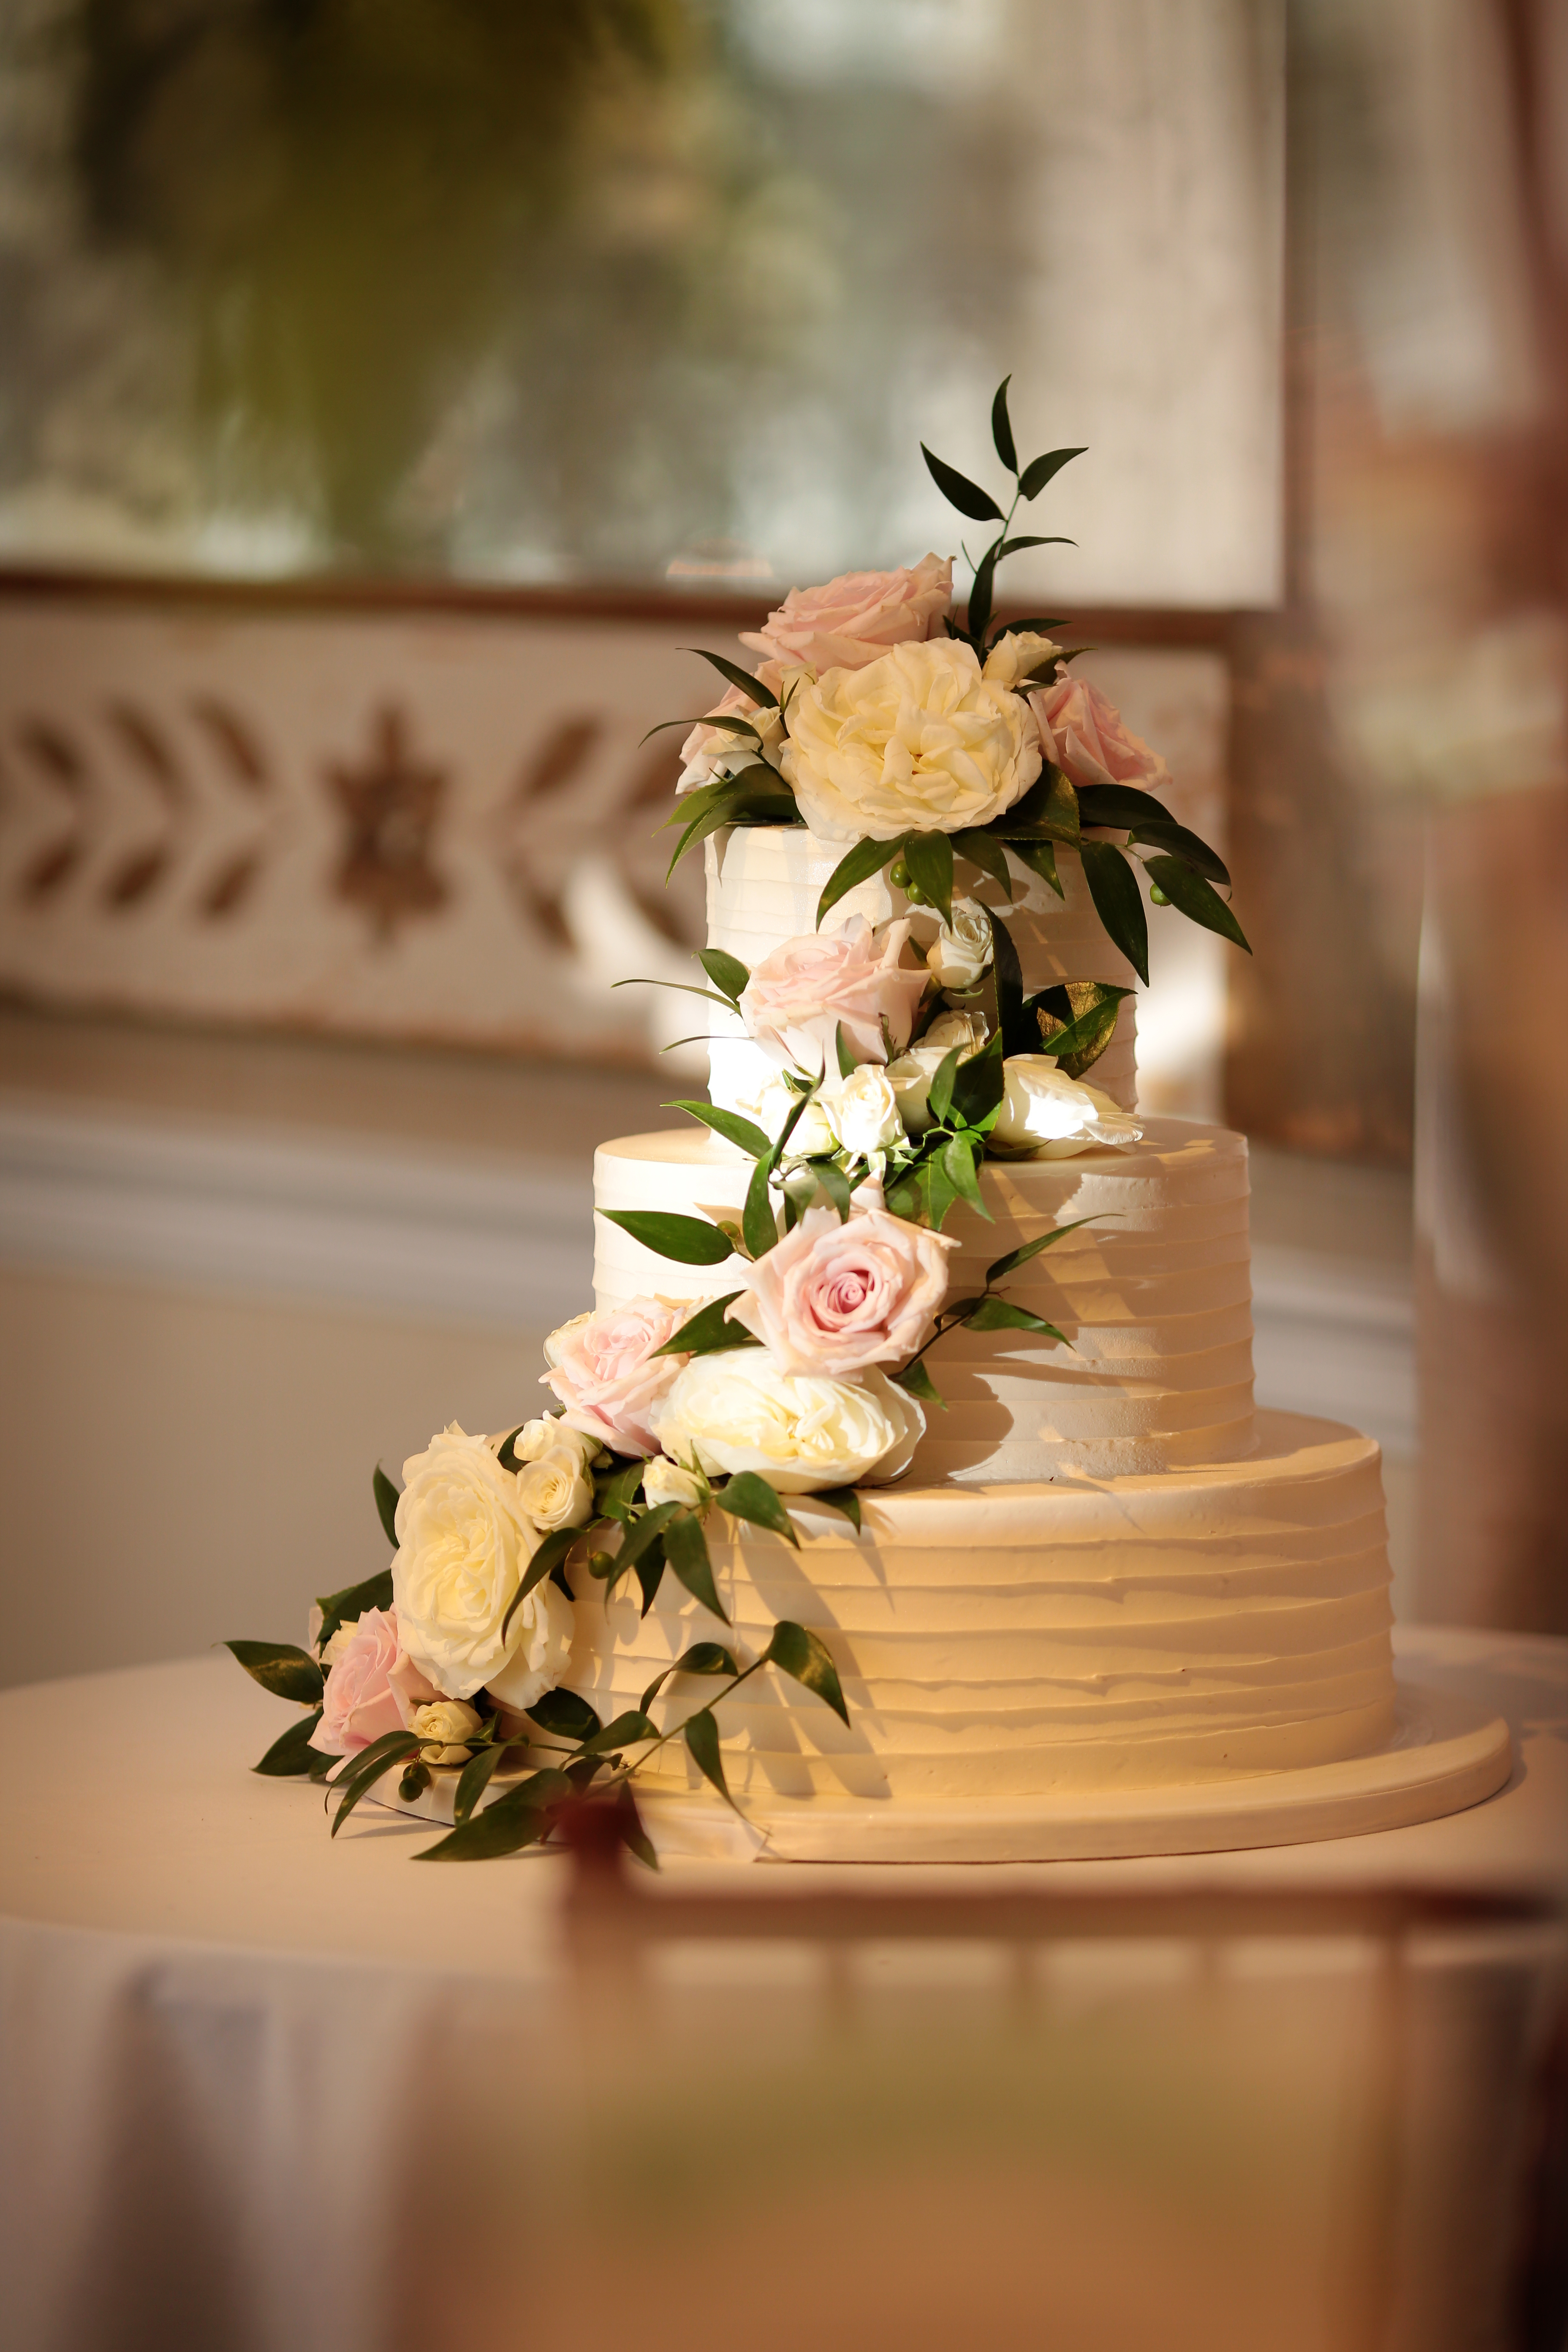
pixel 833 1297
pixel 960 955
pixel 799 996
pixel 917 740
pixel 852 620
pixel 464 1541
pixel 1046 1115
pixel 738 1410
pixel 1084 735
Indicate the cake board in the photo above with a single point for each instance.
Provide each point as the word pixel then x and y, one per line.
pixel 1445 1753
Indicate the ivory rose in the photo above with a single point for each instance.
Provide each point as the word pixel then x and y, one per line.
pixel 709 751
pixel 961 952
pixel 443 1726
pixel 546 1435
pixel 852 620
pixel 463 1543
pixel 911 1075
pixel 833 1297
pixel 736 1410
pixel 797 996
pixel 1015 655
pixel 861 1111
pixel 604 1369
pixel 1086 736
pixel 373 1685
pixel 664 1481
pixel 919 741
pixel 1046 1115
pixel 554 1488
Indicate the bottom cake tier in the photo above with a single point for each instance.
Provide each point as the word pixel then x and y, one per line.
pixel 1015 1640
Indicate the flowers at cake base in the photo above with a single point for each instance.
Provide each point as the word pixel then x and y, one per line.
pixel 463 1542
pixel 372 1687
pixel 737 1410
pixel 606 1370
pixel 919 741
pixel 1046 1115
pixel 798 998
pixel 833 1297
pixel 446 1726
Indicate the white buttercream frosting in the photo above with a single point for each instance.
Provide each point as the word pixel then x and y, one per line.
pixel 1094 1632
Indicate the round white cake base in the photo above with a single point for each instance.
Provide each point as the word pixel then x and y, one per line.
pixel 1445 1753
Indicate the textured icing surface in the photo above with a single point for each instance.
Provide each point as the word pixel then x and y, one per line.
pixel 763 883
pixel 1090 1633
pixel 1155 1299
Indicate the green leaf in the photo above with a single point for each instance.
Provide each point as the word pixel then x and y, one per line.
pixel 747 1496
pixel 649 1573
pixel 939 1093
pixel 958 1167
pixel 615 1491
pixel 993 1314
pixel 908 1194
pixel 365 1769
pixel 917 1382
pixel 978 614
pixel 1118 901
pixel 563 1714
pixel 1015 547
pixel 1040 470
pixel 857 865
pixel 628 1825
pixel 473 1780
pixel 385 1503
pixel 727 973
pixel 627 1730
pixel 1121 807
pixel 708 1331
pixel 519 1819
pixel 841 1047
pixel 682 988
pixel 639 1534
pixel 1196 899
pixel 845 1500
pixel 1027 1250
pixel 705 1658
pixel 728 1124
pixel 979 1084
pixel 293 1754
pixel 960 491
pixel 1185 845
pixel 690 1241
pixel 1082 1017
pixel 834 1183
pixel 929 856
pixel 353 1602
pixel 807 1659
pixel 1001 427
pixel 552 1550
pixel 1018 1031
pixel 701 1734
pixel 943 1191
pixel 759 1227
pixel 685 1549
pixel 751 687
pixel 1050 809
pixel 1040 857
pixel 281 1668
pixel 742 802
pixel 506 1452
pixel 984 849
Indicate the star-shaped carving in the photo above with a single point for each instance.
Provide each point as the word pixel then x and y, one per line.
pixel 392 804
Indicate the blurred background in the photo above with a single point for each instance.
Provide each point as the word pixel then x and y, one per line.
pixel 388 395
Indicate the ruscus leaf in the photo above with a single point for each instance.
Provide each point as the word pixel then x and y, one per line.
pixel 742 1132
pixel 690 1241
pixel 748 1497
pixel 685 1549
pixel 995 1314
pixel 916 1381
pixel 759 1228
pixel 385 1504
pixel 727 973
pixel 708 1331
pixel 551 1553
pixel 353 1602
pixel 1119 902
pixel 701 1734
pixel 841 1047
pixel 293 1754
pixel 281 1668
pixel 845 1500
pixel 960 491
pixel 1027 1250
pixel 1043 469
pixel 857 865
pixel 565 1715
pixel 1001 427
pixel 983 849
pixel 929 856
pixel 473 1780
pixel 365 1769
pixel 751 687
pixel 1196 899
pixel 807 1659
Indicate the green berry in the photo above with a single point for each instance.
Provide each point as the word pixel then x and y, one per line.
pixel 1157 894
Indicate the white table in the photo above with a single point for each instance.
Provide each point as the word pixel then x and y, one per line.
pixel 220 2028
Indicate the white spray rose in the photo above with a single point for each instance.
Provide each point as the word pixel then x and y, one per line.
pixel 444 1725
pixel 1015 655
pixel 735 1411
pixel 554 1488
pixel 664 1481
pixel 710 752
pixel 911 1075
pixel 961 952
pixel 548 1435
pixel 464 1540
pixel 1046 1115
pixel 862 1110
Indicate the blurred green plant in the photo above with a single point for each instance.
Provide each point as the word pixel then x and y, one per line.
pixel 345 194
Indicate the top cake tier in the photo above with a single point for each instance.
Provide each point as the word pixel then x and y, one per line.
pixel 763 883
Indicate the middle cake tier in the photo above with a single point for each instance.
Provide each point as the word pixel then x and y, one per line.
pixel 1153 1298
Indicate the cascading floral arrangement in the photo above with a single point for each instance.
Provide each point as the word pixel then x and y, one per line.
pixel 880 1085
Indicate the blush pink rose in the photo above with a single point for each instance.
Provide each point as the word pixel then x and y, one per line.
pixel 831 1298
pixel 373 1688
pixel 1085 736
pixel 854 619
pixel 605 1371
pixel 797 996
